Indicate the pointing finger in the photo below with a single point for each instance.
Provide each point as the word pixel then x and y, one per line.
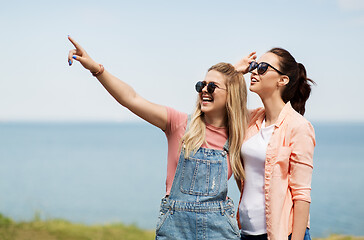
pixel 77 46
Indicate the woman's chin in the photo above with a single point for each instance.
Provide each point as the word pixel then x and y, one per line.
pixel 252 89
pixel 204 110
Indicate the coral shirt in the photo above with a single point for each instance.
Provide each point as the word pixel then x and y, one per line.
pixel 176 126
pixel 288 168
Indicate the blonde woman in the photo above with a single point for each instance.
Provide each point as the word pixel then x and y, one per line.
pixel 203 150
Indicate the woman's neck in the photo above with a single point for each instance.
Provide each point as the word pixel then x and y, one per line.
pixel 273 107
pixel 215 121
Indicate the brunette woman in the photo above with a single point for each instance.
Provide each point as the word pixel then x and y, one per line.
pixel 277 151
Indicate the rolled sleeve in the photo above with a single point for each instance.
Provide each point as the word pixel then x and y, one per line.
pixel 301 162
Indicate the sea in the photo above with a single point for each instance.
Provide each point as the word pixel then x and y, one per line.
pixel 103 173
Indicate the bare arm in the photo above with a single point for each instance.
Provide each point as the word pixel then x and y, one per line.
pixel 238 182
pixel 301 211
pixel 122 92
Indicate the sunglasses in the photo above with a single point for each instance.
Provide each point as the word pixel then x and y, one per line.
pixel 262 67
pixel 210 86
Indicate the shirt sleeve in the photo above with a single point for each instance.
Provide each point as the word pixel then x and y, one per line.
pixel 301 161
pixel 174 120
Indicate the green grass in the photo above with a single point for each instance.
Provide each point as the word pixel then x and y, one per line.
pixel 64 230
pixel 38 229
pixel 340 237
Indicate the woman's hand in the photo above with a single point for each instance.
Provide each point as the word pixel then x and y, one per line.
pixel 122 92
pixel 243 64
pixel 81 55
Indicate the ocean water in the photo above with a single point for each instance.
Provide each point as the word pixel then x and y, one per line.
pixel 97 173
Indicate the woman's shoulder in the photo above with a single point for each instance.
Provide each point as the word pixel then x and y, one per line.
pixel 175 114
pixel 297 120
pixel 299 125
pixel 175 119
pixel 253 114
pixel 255 111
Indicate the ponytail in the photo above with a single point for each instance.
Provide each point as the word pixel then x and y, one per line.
pixel 298 101
pixel 298 89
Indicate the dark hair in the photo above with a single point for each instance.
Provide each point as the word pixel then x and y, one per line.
pixel 298 89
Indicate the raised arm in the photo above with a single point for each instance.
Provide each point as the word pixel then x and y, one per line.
pixel 243 64
pixel 122 92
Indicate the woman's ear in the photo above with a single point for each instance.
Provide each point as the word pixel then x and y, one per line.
pixel 284 80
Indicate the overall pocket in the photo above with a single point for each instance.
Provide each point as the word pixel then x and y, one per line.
pixel 163 213
pixel 230 215
pixel 201 177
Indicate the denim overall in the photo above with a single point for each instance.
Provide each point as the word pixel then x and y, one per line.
pixel 198 207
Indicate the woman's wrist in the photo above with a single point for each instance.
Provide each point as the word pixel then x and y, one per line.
pixel 97 71
pixel 241 69
pixel 244 72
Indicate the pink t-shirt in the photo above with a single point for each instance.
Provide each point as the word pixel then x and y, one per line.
pixel 176 126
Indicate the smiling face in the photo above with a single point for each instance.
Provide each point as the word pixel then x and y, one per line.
pixel 271 81
pixel 214 104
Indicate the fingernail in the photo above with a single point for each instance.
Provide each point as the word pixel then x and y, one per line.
pixel 70 62
pixel 74 57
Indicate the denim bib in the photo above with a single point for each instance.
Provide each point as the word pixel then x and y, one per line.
pixel 198 207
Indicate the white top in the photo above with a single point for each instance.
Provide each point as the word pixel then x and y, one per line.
pixel 252 206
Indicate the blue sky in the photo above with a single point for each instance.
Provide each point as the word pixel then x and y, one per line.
pixel 162 48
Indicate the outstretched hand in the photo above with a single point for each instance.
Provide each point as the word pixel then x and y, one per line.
pixel 80 55
pixel 243 64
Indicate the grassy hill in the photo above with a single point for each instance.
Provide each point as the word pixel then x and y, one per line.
pixel 64 230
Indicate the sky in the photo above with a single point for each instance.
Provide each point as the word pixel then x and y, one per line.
pixel 162 48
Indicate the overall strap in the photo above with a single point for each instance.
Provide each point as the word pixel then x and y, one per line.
pixel 188 122
pixel 226 145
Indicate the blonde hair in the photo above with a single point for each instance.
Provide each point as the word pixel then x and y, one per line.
pixel 236 119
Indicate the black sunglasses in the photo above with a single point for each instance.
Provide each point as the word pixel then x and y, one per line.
pixel 210 86
pixel 262 67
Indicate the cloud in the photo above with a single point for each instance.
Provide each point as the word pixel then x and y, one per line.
pixel 351 5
